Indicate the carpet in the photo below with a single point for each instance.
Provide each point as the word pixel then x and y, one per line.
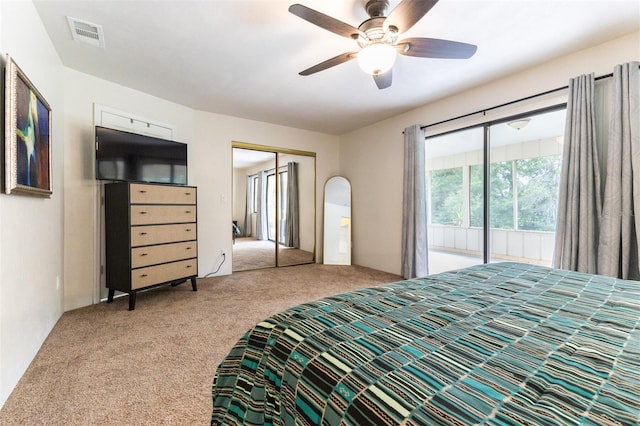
pixel 105 365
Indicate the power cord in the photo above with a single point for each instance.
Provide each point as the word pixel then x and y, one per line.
pixel 224 257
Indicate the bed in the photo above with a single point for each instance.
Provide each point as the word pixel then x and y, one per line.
pixel 502 344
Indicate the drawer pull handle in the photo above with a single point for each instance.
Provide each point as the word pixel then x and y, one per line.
pixel 143 254
pixel 188 230
pixel 142 191
pixel 143 233
pixel 143 212
pixel 187 211
pixel 143 275
pixel 188 266
pixel 188 248
pixel 187 193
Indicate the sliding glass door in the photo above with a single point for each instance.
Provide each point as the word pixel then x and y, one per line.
pixel 507 172
pixel 526 156
pixel 455 230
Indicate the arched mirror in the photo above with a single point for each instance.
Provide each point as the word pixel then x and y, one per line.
pixel 337 221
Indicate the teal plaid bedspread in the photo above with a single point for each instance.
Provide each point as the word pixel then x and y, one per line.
pixel 499 344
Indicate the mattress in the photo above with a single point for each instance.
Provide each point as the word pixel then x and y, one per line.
pixel 502 344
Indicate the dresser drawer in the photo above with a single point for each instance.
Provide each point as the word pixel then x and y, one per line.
pixel 160 234
pixel 152 214
pixel 152 255
pixel 158 194
pixel 151 275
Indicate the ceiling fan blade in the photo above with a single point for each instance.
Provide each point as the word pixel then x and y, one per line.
pixel 407 13
pixel 324 21
pixel 336 60
pixel 384 80
pixel 435 48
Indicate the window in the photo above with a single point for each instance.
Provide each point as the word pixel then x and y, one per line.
pixel 538 182
pixel 271 204
pixel 254 194
pixel 446 196
pixel 501 195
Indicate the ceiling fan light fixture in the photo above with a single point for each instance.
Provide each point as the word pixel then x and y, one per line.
pixel 377 58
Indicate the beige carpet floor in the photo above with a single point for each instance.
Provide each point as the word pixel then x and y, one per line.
pixel 105 365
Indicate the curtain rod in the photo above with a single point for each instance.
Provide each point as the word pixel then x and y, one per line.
pixel 484 111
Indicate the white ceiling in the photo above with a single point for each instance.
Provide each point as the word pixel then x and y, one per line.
pixel 242 57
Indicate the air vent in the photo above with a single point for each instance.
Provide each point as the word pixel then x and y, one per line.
pixel 86 32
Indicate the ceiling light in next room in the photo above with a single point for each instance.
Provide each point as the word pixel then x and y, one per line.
pixel 86 32
pixel 519 124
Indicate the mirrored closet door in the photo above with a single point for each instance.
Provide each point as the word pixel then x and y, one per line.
pixel 273 207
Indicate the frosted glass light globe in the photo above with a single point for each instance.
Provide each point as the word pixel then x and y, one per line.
pixel 377 58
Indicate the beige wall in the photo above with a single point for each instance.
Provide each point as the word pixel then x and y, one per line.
pixel 31 249
pixel 372 157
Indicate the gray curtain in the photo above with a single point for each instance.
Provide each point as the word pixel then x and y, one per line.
pixel 247 209
pixel 292 228
pixel 415 251
pixel 262 227
pixel 579 201
pixel 620 229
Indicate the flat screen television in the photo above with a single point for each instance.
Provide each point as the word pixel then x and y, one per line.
pixel 124 156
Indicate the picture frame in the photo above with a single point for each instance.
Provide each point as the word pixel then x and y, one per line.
pixel 27 137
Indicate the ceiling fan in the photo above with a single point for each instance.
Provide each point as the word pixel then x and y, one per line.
pixel 378 38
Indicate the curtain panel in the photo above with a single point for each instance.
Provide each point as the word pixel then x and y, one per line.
pixel 620 229
pixel 415 251
pixel 579 201
pixel 292 227
pixel 247 209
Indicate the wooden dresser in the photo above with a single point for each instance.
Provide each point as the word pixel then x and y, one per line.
pixel 151 237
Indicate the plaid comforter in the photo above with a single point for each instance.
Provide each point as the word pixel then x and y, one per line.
pixel 502 343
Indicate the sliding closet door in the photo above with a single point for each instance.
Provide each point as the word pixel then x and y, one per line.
pixel 253 218
pixel 274 208
pixel 298 205
pixel 455 169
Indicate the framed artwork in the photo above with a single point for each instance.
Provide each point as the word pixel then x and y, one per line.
pixel 27 138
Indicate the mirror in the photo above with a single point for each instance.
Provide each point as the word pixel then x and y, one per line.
pixel 252 248
pixel 337 221
pixel 273 207
pixel 297 209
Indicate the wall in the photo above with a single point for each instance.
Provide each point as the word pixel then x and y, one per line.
pixel 31 236
pixel 376 175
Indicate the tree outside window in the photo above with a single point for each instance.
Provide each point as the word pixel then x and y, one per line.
pixel 537 181
pixel 538 185
pixel 446 196
pixel 501 195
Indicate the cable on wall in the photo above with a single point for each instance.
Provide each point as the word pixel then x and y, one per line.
pixel 224 257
